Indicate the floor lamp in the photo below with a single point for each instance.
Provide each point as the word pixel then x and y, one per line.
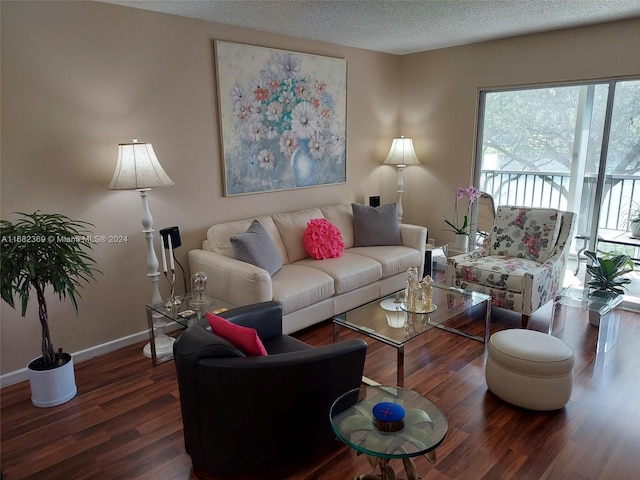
pixel 401 155
pixel 138 168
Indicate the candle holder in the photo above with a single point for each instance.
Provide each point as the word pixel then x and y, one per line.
pixel 173 300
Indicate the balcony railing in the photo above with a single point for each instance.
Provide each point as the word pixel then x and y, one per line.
pixel 551 190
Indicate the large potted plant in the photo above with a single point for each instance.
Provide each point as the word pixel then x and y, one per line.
pixel 41 250
pixel 606 277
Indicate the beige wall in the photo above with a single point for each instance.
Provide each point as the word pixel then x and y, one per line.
pixel 80 77
pixel 441 96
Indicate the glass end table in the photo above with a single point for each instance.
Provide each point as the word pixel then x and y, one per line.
pixel 420 431
pixel 601 310
pixel 185 313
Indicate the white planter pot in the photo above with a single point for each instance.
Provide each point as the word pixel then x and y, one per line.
pixel 594 318
pixel 634 229
pixel 601 306
pixel 50 388
pixel 461 243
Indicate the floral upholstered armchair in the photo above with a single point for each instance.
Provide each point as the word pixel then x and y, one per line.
pixel 522 262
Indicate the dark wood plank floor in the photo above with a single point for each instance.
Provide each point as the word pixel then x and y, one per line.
pixel 125 422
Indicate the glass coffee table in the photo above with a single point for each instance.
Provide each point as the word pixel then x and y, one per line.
pixel 386 321
pixel 185 314
pixel 359 416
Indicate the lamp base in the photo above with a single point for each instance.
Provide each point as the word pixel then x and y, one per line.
pixel 164 347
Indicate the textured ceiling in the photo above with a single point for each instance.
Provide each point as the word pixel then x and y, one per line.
pixel 398 26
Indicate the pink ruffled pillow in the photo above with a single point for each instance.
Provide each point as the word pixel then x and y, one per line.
pixel 322 239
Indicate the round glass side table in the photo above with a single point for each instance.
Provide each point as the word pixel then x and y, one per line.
pixel 417 428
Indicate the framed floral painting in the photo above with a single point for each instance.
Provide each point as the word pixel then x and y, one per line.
pixel 282 118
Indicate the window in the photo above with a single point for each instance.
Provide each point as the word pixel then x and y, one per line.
pixel 543 147
pixel 573 147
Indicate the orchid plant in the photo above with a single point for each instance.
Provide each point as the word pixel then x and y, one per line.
pixel 472 194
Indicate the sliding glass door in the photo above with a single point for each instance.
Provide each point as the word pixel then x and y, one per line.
pixel 573 147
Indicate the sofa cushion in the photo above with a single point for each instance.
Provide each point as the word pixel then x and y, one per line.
pixel 246 339
pixel 291 227
pixel 297 286
pixel 348 272
pixel 342 217
pixel 256 247
pixel 393 259
pixel 505 273
pixel 374 226
pixel 322 239
pixel 525 233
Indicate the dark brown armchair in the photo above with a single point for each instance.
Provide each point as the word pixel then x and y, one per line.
pixel 252 416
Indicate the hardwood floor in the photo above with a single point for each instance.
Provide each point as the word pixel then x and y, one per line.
pixel 125 421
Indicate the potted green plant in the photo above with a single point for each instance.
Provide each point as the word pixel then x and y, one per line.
pixel 41 250
pixel 606 273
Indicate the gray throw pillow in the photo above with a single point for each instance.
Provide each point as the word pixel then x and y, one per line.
pixel 375 226
pixel 256 247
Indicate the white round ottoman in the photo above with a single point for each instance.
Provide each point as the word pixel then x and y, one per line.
pixel 530 369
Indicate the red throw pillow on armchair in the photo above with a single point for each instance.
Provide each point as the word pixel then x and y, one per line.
pixel 244 338
pixel 322 239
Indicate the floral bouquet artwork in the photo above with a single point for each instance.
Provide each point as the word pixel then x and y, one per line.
pixel 464 228
pixel 283 118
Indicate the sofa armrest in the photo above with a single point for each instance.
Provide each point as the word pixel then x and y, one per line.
pixel 542 283
pixel 238 283
pixel 194 344
pixel 415 236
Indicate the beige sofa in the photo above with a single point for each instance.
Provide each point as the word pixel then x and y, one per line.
pixel 309 290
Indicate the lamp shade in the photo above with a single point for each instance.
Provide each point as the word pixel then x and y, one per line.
pixel 138 168
pixel 402 153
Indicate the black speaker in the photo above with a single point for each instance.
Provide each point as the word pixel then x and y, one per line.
pixel 374 201
pixel 175 237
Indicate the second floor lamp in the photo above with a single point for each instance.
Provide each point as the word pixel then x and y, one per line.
pixel 401 155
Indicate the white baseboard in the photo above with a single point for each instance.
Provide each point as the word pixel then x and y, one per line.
pixel 82 355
